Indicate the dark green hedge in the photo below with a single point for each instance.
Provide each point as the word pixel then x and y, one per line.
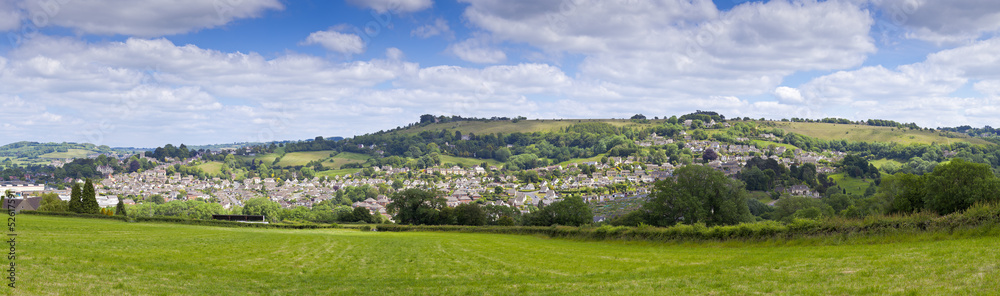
pixel 976 216
pixel 68 214
pixel 179 220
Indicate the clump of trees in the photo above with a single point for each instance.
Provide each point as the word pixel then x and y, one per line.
pixel 422 207
pixel 951 187
pixel 698 194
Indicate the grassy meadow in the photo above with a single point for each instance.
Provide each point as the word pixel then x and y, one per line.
pixel 71 153
pixel 854 186
pixel 507 127
pixel 866 133
pixel 59 256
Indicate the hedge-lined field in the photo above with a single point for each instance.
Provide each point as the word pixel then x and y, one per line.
pixel 78 256
pixel 978 218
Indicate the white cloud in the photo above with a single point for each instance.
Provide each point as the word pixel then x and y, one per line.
pixel 10 18
pixel 396 6
pixel 142 18
pixel 686 46
pixel 477 50
pixel 919 92
pixel 439 27
pixel 788 95
pixel 988 87
pixel 943 21
pixel 335 41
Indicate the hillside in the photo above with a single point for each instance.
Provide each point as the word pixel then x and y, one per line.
pixel 134 258
pixel 44 153
pixel 822 131
pixel 867 133
pixel 506 127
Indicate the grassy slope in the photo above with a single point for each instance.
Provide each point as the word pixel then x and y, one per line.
pixel 859 133
pixel 213 167
pixel 506 127
pixel 468 161
pixel 332 173
pixel 853 185
pixel 345 158
pixel 72 153
pixel 139 258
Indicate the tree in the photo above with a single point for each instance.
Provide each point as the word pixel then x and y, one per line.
pixel 262 206
pixel 901 193
pixel 570 211
pixel 51 203
pixel 307 173
pixel 790 207
pixel 75 199
pixel 698 194
pixel 120 208
pixel 415 206
pixel 89 199
pixel 362 214
pixel 133 166
pixel 638 117
pixel 958 185
pixel 709 155
pixel 157 199
pixel 470 214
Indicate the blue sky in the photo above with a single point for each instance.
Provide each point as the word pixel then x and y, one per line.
pixel 147 73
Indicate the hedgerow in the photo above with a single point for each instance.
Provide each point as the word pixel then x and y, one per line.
pixel 980 215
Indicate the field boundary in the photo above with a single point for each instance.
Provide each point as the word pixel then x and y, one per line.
pixel 979 217
pixel 178 220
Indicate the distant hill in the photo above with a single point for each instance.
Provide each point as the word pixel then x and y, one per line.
pixel 42 153
pixel 818 130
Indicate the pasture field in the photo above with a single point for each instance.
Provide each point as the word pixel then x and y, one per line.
pixel 213 168
pixel 469 161
pixel 72 153
pixel 333 173
pixel 344 158
pixel 582 160
pixel 507 127
pixel 866 133
pixel 854 186
pixel 74 256
pixel 303 158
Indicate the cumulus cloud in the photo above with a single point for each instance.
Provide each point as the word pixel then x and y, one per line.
pixel 396 6
pixel 142 18
pixel 686 46
pixel 919 92
pixel 439 27
pixel 788 95
pixel 336 41
pixel 477 50
pixel 10 18
pixel 943 21
pixel 211 96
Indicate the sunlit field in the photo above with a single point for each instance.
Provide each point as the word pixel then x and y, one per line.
pixel 74 256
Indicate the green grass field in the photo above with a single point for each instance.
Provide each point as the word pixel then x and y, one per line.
pixel 73 256
pixel 468 161
pixel 334 173
pixel 866 133
pixel 852 185
pixel 345 158
pixel 303 158
pixel 213 167
pixel 581 160
pixel 72 153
